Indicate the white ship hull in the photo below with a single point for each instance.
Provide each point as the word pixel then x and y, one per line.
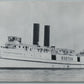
pixel 8 60
pixel 11 64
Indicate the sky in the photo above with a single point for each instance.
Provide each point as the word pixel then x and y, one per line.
pixel 66 20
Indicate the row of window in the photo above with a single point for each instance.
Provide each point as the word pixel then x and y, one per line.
pixel 27 48
pixel 39 50
pixel 67 58
pixel 53 57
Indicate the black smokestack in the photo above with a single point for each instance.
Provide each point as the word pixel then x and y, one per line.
pixel 35 33
pixel 47 35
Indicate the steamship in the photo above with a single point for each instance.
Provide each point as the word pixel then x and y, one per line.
pixel 15 54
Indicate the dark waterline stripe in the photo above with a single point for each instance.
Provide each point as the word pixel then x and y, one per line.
pixel 36 68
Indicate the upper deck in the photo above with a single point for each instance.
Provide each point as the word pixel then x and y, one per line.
pixel 15 43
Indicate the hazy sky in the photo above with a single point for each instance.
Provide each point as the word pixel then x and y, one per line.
pixel 66 20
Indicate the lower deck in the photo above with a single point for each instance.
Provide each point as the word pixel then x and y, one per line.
pixel 29 59
pixel 6 63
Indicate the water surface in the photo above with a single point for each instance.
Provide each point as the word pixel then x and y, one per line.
pixel 42 75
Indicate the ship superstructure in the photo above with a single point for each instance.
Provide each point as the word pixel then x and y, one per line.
pixel 15 54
